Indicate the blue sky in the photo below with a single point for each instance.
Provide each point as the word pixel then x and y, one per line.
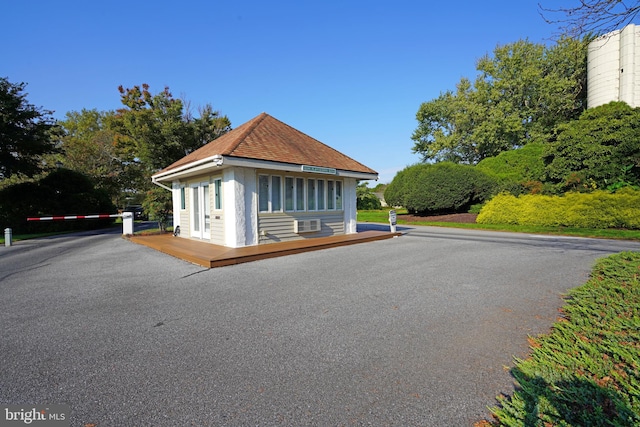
pixel 351 74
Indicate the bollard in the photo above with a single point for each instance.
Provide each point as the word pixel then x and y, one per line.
pixel 8 235
pixel 127 223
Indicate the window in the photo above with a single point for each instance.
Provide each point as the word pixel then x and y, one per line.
pixel 270 193
pixel 311 194
pixel 207 209
pixel 299 194
pixel 288 193
pixel 263 193
pixel 195 197
pixel 321 195
pixel 331 195
pixel 276 194
pixel 183 198
pixel 217 193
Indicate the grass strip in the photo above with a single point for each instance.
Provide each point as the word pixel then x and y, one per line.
pixel 586 371
pixel 382 216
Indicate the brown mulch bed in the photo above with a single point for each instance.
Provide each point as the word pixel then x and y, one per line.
pixel 467 218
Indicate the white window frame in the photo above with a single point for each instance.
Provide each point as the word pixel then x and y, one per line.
pixel 331 195
pixel 293 194
pixel 217 194
pixel 271 194
pixel 183 198
pixel 264 197
pixel 312 197
pixel 300 197
pixel 321 195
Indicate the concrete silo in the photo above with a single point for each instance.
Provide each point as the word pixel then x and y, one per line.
pixel 613 68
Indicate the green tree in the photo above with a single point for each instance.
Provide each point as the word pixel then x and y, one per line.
pixel 365 199
pixel 150 129
pixel 600 149
pixel 153 131
pixel 520 94
pixel 158 204
pixel 88 148
pixel 26 132
pixel 209 125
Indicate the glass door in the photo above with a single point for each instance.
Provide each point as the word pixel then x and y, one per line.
pixel 200 211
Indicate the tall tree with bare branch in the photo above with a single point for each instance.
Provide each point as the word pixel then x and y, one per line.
pixel 591 17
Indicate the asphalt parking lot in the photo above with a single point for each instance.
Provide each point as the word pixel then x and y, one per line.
pixel 411 331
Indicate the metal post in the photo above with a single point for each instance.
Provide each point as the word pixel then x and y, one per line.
pixel 8 235
pixel 127 223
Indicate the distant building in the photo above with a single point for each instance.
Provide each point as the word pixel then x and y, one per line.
pixel 613 68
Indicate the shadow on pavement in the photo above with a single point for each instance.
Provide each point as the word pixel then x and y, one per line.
pixel 366 226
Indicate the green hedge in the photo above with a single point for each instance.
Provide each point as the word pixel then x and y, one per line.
pixel 438 188
pixel 599 209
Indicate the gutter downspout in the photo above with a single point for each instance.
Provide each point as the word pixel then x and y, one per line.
pixel 161 185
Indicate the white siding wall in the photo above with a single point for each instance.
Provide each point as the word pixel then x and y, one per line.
pixel 217 228
pixel 185 218
pixel 279 226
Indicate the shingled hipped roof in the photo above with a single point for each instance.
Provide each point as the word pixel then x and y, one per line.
pixel 269 139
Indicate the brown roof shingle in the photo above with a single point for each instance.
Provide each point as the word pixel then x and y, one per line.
pixel 267 138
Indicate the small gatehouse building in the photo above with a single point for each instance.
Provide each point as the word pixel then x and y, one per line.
pixel 261 183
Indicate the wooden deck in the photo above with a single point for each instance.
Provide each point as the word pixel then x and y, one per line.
pixel 211 256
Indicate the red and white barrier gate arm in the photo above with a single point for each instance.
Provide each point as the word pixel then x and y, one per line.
pixel 60 218
pixel 127 219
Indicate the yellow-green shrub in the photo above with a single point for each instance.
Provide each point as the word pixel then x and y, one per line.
pixel 599 209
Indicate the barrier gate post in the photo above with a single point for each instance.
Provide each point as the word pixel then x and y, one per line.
pixel 127 223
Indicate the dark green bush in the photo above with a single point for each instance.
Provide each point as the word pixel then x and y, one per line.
pixel 599 150
pixel 516 166
pixel 439 188
pixel 520 171
pixel 62 192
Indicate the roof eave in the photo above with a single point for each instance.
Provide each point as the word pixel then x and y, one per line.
pixel 217 162
pixel 192 168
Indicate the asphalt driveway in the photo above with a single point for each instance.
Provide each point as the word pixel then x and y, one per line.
pixel 412 331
